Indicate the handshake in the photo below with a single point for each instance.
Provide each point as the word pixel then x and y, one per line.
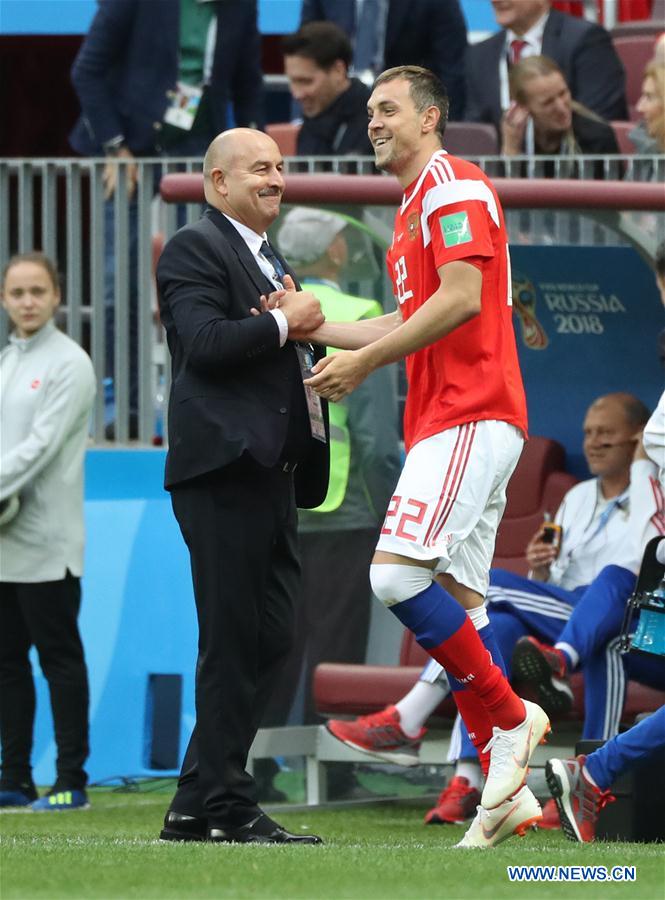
pixel 301 309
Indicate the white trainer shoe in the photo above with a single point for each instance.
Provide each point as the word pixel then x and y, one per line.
pixel 510 752
pixel 513 816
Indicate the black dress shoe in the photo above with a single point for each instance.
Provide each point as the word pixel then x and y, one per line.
pixel 261 830
pixel 179 827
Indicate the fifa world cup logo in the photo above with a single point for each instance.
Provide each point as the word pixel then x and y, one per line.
pixel 524 303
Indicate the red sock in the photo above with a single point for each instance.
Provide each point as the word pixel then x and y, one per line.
pixel 477 723
pixel 464 655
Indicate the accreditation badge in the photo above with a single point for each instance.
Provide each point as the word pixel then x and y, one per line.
pixel 185 100
pixel 314 408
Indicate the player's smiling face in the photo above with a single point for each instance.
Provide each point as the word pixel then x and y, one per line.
pixel 395 126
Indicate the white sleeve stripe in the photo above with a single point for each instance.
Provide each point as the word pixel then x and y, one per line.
pixel 452 192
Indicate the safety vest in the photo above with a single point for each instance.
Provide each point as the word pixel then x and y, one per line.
pixel 339 307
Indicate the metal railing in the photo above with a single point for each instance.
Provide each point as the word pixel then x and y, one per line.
pixel 107 248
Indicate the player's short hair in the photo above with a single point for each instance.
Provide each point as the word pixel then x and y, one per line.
pixel 659 261
pixel 322 42
pixel 526 70
pixel 40 259
pixel 425 89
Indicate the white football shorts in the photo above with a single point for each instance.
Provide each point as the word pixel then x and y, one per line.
pixel 450 498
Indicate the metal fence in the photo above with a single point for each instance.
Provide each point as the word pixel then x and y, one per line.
pixel 107 248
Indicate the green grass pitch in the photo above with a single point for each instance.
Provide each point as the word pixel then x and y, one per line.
pixel 376 851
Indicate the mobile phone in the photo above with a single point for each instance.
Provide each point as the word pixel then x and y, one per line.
pixel 551 533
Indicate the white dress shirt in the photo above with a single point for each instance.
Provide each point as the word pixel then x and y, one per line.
pixel 254 241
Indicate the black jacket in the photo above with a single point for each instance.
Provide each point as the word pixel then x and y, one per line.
pixel 430 33
pixel 583 51
pixel 232 385
pixel 341 129
pixel 129 61
pixel 593 136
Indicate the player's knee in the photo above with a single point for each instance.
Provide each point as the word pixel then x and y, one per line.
pixel 393 584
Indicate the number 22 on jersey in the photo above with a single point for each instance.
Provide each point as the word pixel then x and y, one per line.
pixel 403 293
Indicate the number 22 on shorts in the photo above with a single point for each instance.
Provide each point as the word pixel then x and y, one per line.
pixel 405 518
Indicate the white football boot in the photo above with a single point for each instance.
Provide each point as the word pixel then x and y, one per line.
pixel 510 752
pixel 492 826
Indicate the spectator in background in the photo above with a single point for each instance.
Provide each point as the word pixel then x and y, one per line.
pixel 583 50
pixel 543 119
pixel 334 106
pixel 648 136
pixel 47 387
pixel 387 33
pixel 149 88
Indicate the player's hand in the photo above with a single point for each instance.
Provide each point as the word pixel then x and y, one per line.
pixel 334 377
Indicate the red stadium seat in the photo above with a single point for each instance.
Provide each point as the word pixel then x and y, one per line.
pixel 621 133
pixel 635 53
pixel 285 135
pixel 537 486
pixel 471 139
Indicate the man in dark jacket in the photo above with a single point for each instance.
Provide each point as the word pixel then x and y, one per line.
pixel 159 79
pixel 388 33
pixel 334 106
pixel 583 50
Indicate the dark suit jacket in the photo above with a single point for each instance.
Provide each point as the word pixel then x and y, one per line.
pixel 430 33
pixel 129 61
pixel 232 384
pixel 585 54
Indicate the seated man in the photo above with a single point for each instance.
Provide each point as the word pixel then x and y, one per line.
pixel 334 106
pixel 596 518
pixel 583 50
pixel 543 119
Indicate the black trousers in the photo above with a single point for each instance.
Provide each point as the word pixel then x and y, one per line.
pixel 240 527
pixel 332 621
pixel 44 615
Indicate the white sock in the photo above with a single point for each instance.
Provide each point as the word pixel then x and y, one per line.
pixel 467 768
pixel 415 708
pixel 478 616
pixel 570 652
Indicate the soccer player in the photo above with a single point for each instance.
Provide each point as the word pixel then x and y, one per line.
pixel 464 425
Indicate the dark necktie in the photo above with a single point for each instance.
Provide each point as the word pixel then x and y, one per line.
pixel 516 48
pixel 270 255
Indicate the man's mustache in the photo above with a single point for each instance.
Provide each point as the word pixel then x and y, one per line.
pixel 270 192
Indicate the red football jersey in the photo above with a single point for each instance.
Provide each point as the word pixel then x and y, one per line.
pixel 452 212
